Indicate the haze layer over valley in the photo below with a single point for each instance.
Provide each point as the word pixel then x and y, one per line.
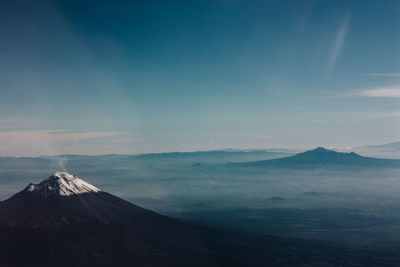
pixel 338 197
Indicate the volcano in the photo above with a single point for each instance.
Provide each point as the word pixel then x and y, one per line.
pixel 65 221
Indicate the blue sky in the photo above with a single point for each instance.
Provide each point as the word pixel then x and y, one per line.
pixel 96 77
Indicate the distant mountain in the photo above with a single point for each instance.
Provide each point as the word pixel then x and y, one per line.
pixel 322 156
pixel 214 153
pixel 64 221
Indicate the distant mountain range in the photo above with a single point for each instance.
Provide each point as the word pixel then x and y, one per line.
pixel 321 156
pixel 219 156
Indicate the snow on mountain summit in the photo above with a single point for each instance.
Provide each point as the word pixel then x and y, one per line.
pixel 62 184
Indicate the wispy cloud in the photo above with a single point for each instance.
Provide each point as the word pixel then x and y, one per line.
pixel 383 92
pixel 383 74
pixel 338 43
pixel 332 96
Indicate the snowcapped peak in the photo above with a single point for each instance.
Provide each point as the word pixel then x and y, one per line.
pixel 62 176
pixel 62 184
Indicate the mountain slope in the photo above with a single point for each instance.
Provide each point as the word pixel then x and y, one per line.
pixel 322 156
pixel 88 227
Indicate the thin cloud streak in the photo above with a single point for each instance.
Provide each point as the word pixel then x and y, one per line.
pixel 338 43
pixel 383 74
pixel 384 92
